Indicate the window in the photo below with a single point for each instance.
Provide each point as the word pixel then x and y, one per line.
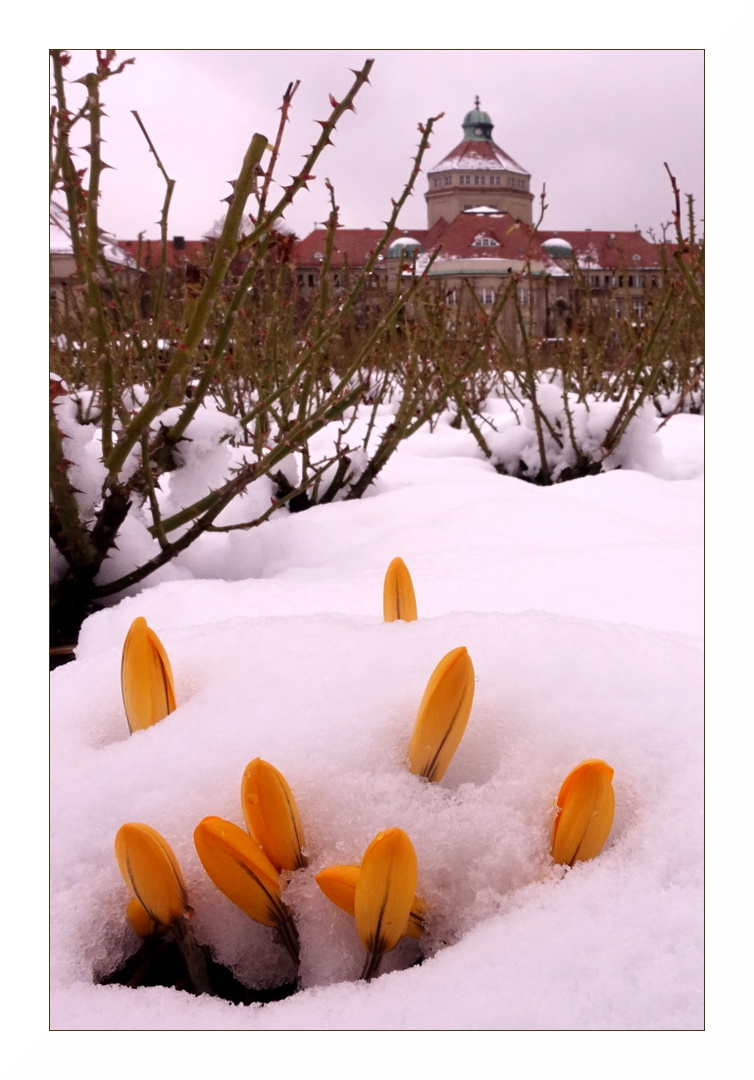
pixel 451 298
pixel 487 296
pixel 511 182
pixel 484 241
pixel 523 297
pixel 594 280
pixel 639 307
pixel 448 180
pixel 479 180
pixel 464 179
pixel 495 180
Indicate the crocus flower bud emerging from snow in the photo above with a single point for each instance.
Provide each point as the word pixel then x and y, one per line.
pixel 338 883
pixel 443 714
pixel 398 599
pixel 151 871
pixel 271 815
pixel 146 678
pixel 384 895
pixel 240 869
pixel 586 804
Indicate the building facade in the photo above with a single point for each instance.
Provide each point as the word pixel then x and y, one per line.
pixel 479 237
pixel 480 232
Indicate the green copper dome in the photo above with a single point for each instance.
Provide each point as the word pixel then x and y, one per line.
pixel 404 245
pixel 477 125
pixel 557 247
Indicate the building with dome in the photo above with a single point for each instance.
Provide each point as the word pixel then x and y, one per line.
pixel 478 173
pixel 480 232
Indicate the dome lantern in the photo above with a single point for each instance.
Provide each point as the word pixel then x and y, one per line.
pixel 477 125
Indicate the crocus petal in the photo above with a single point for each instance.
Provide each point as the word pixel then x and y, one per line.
pixel 146 677
pixel 398 599
pixel 271 815
pixel 141 921
pixel 151 871
pixel 443 715
pixel 239 868
pixel 338 883
pixel 384 894
pixel 586 804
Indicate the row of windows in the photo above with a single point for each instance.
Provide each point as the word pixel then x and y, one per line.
pixel 479 180
pixel 487 296
pixel 635 281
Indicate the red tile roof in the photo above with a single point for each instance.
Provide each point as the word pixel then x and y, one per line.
pixel 608 250
pixel 456 240
pixel 355 245
pixel 474 154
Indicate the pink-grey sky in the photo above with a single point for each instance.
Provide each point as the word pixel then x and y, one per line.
pixel 595 126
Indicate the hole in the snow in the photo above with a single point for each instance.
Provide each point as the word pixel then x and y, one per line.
pixel 159 962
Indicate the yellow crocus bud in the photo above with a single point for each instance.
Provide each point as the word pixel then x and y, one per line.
pixel 338 883
pixel 384 894
pixel 146 678
pixel 398 599
pixel 586 804
pixel 241 871
pixel 443 714
pixel 271 815
pixel 140 920
pixel 151 871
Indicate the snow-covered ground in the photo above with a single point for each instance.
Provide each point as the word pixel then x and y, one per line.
pixel 581 608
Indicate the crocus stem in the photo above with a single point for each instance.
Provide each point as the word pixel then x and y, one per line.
pixel 196 965
pixel 289 936
pixel 371 966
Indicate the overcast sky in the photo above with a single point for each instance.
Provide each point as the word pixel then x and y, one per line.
pixel 595 126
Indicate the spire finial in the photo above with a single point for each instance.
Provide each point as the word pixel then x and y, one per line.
pixel 476 102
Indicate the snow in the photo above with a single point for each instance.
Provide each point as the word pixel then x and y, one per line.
pixel 470 159
pixel 581 608
pixel 555 242
pixel 60 244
